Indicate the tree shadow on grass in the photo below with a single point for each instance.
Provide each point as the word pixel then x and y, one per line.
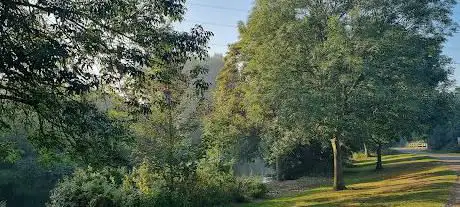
pixel 386 174
pixel 405 180
pixel 388 157
pixel 418 181
pixel 392 161
pixel 433 193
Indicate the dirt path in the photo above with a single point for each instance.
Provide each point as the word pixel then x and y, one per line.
pixel 453 162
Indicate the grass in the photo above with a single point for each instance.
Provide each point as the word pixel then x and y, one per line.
pixel 407 180
pixel 444 152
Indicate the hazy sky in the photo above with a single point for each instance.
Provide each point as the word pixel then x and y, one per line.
pixel 222 16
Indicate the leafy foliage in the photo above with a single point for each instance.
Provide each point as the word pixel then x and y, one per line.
pixel 117 187
pixel 111 85
pixel 28 180
pixel 227 130
pixel 92 188
pixel 442 126
pixel 352 59
pixel 312 159
pixel 54 52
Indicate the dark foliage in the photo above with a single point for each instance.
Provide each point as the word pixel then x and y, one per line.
pixel 27 181
pixel 303 160
pixel 54 52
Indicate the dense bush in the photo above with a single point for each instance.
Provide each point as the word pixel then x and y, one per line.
pixel 359 156
pixel 251 187
pixel 224 188
pixel 93 188
pixel 140 188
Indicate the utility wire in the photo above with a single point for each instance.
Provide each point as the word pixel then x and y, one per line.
pixel 210 23
pixel 218 45
pixel 217 7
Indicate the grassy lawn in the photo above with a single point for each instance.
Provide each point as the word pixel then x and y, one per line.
pixel 407 180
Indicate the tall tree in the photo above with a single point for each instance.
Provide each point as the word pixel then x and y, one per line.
pixel 307 64
pixel 228 134
pixel 53 52
pixel 302 83
pixel 404 70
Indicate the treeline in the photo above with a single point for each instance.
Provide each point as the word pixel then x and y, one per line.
pixel 28 175
pixel 108 95
pixel 331 77
pixel 445 123
pixel 106 90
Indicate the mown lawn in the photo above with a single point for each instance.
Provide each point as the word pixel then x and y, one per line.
pixel 407 180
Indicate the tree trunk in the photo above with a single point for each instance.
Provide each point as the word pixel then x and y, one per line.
pixel 379 165
pixel 366 152
pixel 339 183
pixel 278 169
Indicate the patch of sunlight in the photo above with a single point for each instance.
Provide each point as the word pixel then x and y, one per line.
pixel 395 159
pixel 407 180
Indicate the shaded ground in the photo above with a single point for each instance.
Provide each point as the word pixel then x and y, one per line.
pixel 408 180
pixel 452 160
pixel 294 187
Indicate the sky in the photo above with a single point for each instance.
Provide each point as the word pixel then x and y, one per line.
pixel 222 16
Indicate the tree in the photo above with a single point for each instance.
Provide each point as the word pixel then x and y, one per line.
pixel 389 114
pixel 404 72
pixel 307 64
pixel 227 131
pixel 442 120
pixel 169 162
pixel 301 83
pixel 54 52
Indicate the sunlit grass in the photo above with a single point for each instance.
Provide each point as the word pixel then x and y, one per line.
pixel 407 180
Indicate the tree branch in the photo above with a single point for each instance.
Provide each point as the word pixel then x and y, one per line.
pixel 16 99
pixel 57 9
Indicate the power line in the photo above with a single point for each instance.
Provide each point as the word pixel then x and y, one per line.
pixel 218 45
pixel 218 7
pixel 210 23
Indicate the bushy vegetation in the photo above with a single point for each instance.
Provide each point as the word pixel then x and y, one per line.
pixel 118 187
pixel 359 156
pixel 361 72
pixel 306 160
pixel 91 188
pixel 112 85
pixel 443 128
pixel 28 178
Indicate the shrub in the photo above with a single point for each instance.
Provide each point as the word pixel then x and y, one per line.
pixel 216 184
pixel 359 156
pixel 225 188
pixel 142 188
pixel 251 187
pixel 208 185
pixel 89 187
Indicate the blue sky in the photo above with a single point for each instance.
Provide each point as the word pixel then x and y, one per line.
pixel 222 16
pixel 218 16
